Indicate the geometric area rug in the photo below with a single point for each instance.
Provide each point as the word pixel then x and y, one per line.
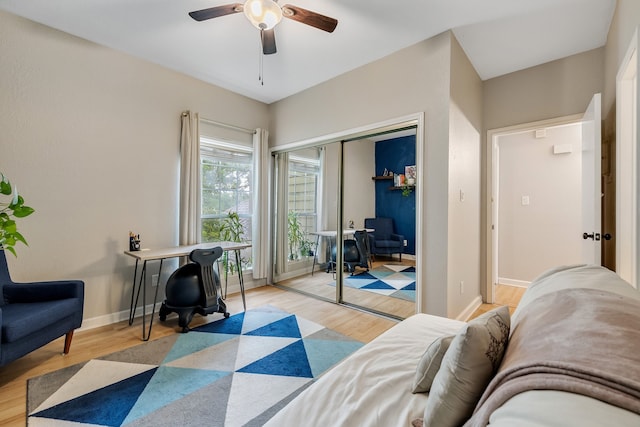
pixel 232 372
pixel 398 281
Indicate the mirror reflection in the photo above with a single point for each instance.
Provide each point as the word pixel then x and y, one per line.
pixel 369 184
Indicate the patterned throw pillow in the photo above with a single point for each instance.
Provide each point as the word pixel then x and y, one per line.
pixel 467 367
pixel 430 364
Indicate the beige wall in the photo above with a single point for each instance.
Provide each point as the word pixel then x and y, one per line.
pixel 359 190
pixel 555 89
pixel 91 138
pixel 415 79
pixel 465 140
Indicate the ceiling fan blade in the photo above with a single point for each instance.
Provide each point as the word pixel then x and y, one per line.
pixel 214 12
pixel 309 17
pixel 268 38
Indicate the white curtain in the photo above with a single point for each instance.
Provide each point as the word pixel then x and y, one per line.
pixel 282 196
pixel 260 223
pixel 189 233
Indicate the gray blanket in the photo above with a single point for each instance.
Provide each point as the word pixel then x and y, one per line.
pixel 582 341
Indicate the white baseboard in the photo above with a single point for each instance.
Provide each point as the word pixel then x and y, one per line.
pixel 470 309
pixel 513 282
pixel 120 316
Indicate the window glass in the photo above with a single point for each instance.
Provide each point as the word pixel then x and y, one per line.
pixel 227 206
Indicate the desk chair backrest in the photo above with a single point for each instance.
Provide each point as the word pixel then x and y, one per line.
pixel 206 258
pixel 362 242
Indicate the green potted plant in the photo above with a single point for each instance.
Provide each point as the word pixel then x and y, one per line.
pixel 11 207
pixel 231 230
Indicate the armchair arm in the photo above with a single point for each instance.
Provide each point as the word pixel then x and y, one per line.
pixel 43 291
pixel 398 237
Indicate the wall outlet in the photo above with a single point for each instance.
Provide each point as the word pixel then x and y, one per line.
pixel 461 287
pixel 154 280
pixel 405 242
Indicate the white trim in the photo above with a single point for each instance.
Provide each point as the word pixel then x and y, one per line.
pixel 627 117
pixel 513 282
pixel 470 309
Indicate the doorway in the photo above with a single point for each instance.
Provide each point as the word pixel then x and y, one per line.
pixel 345 199
pixel 530 228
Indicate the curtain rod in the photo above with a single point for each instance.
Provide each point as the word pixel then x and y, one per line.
pixel 224 125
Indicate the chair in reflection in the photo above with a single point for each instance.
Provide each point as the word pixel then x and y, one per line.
pixel 383 240
pixel 355 253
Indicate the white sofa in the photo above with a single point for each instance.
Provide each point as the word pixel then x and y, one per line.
pixel 373 387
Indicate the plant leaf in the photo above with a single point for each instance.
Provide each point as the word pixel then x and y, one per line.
pixel 20 238
pixel 10 249
pixel 22 211
pixel 5 187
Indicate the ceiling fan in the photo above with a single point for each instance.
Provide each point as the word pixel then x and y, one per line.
pixel 265 15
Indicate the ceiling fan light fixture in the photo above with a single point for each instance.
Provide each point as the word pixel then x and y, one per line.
pixel 263 14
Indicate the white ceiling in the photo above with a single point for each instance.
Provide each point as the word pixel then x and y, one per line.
pixel 499 36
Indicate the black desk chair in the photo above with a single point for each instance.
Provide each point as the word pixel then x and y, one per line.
pixel 194 288
pixel 355 253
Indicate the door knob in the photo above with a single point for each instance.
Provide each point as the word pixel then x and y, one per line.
pixel 586 236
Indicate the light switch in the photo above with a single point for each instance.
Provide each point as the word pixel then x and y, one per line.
pixel 525 200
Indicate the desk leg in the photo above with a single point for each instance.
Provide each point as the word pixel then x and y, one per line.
pixel 132 308
pixel 153 310
pixel 240 278
pixel 315 254
pixel 226 274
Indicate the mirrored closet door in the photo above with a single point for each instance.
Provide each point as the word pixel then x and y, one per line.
pixel 334 220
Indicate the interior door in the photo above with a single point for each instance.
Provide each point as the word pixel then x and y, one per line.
pixel 591 182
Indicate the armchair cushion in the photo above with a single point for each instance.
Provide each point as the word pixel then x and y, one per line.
pixel 21 320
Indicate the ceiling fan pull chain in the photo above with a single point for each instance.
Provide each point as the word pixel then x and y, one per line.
pixel 261 62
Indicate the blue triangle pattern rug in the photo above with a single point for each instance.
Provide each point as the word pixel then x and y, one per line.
pixel 232 372
pixel 397 281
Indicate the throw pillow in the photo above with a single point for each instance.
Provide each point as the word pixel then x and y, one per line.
pixel 430 364
pixel 467 367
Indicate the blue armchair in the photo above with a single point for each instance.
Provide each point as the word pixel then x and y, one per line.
pixel 383 240
pixel 34 314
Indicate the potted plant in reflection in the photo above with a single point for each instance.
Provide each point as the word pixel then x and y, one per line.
pixel 11 207
pixel 298 243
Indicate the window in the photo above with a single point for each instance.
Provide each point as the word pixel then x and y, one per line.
pixel 302 201
pixel 227 204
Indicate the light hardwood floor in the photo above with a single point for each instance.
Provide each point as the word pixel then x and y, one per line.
pixel 505 295
pixel 320 284
pixel 101 341
pixel 98 342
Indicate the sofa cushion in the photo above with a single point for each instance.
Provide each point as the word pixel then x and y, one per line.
pixel 20 320
pixel 467 367
pixel 430 364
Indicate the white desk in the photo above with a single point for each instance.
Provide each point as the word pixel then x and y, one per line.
pixel 331 235
pixel 145 255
